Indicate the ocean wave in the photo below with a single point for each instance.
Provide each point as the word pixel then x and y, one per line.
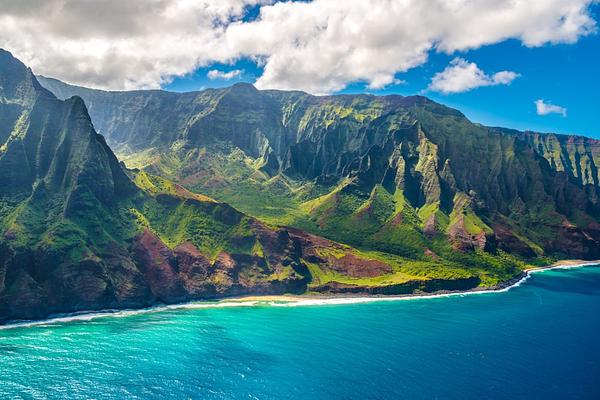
pixel 283 302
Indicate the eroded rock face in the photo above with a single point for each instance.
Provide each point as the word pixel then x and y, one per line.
pixel 158 265
pixel 429 153
pixel 578 157
pixel 572 239
pixel 74 230
pixel 399 175
pixel 424 286
pixel 150 273
pixel 462 240
pixel 358 267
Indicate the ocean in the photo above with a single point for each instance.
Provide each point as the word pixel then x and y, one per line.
pixel 540 340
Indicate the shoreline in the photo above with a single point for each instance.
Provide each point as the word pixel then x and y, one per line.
pixel 298 300
pixel 336 298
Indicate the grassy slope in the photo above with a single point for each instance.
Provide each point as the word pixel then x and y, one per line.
pixel 210 226
pixel 368 224
pixel 381 220
pixel 182 216
pixel 190 221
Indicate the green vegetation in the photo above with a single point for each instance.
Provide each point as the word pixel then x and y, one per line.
pixel 239 191
pixel 212 229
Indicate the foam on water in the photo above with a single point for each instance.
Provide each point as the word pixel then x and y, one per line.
pixel 539 340
pixel 284 302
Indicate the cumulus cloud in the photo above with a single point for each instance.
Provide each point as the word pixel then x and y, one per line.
pixel 546 108
pixel 462 76
pixel 216 74
pixel 319 46
pixel 116 44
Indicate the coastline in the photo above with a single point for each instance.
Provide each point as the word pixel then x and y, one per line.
pixel 298 300
pixel 341 298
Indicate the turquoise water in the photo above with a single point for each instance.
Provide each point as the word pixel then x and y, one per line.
pixel 536 341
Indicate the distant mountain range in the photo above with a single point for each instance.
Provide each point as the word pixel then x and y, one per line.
pixel 336 194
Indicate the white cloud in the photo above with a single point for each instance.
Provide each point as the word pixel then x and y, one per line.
pixel 462 76
pixel 319 46
pixel 545 108
pixel 216 74
pixel 116 44
pixel 379 82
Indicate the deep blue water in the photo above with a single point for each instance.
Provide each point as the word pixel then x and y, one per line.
pixel 537 341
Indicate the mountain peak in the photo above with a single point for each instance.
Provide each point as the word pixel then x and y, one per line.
pixel 18 84
pixel 49 140
pixel 244 86
pixel 5 54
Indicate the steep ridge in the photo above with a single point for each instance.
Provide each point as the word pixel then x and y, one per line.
pixel 577 156
pixel 403 175
pixel 80 232
pixel 128 119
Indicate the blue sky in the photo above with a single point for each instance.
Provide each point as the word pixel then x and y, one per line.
pixel 492 59
pixel 562 74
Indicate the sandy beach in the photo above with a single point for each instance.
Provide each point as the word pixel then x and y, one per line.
pixel 298 300
pixel 337 298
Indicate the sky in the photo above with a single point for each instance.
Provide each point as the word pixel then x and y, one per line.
pixel 524 64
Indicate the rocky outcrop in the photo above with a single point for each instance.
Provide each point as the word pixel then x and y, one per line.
pixel 411 287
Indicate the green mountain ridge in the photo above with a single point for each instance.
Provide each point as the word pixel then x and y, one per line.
pixel 78 231
pixel 185 108
pixel 403 175
pixel 336 194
